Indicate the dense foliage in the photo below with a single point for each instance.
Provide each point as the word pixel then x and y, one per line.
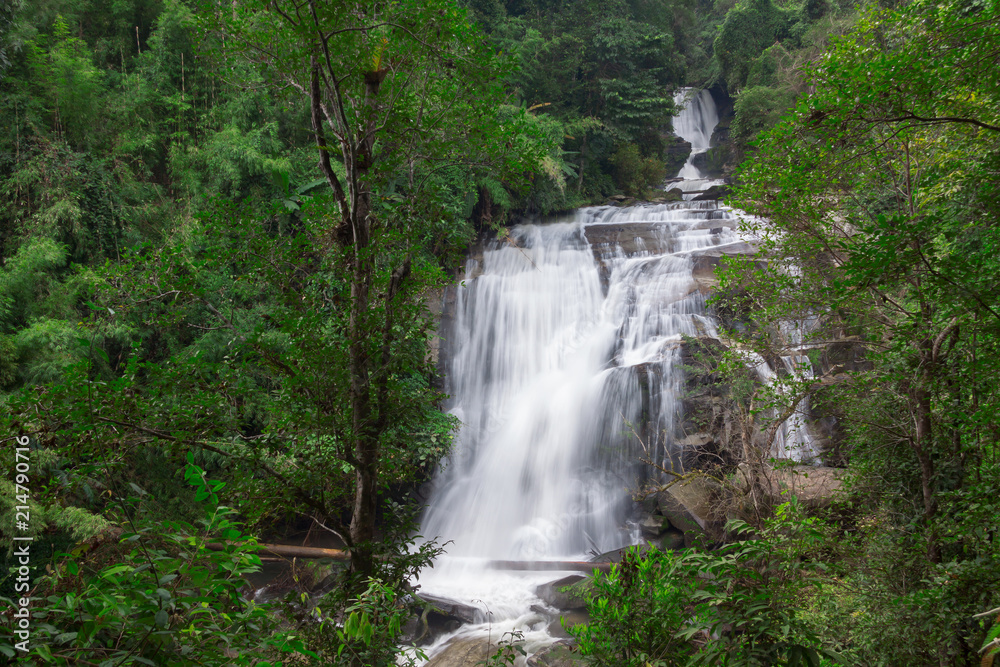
pixel 219 223
pixel 183 282
pixel 603 73
pixel 880 200
pixel 736 605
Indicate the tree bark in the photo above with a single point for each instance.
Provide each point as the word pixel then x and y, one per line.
pixel 364 427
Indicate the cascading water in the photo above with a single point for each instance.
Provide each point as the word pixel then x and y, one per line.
pixel 695 123
pixel 564 349
pixel 794 440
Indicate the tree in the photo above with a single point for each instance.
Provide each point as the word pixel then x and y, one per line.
pixel 749 28
pixel 879 218
pixel 398 91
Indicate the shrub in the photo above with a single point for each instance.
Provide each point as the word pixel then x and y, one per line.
pixel 734 606
pixel 635 174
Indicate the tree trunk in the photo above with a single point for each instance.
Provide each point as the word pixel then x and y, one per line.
pixel 922 446
pixel 365 431
pixel 922 443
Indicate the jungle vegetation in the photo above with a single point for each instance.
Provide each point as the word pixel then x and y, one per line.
pixel 219 221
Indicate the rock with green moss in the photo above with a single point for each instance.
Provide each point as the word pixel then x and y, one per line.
pixel 567 593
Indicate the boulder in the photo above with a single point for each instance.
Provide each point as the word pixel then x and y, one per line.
pixel 688 504
pixel 696 440
pixel 464 652
pixel 813 486
pixel 648 503
pixel 568 619
pixel 434 616
pixel 567 593
pixel 560 654
pixel 653 524
pixel 672 540
pixel 450 609
pixel 713 193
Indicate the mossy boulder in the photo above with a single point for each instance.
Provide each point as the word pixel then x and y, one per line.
pixel 568 593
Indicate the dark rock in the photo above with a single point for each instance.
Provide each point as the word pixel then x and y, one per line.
pixel 672 540
pixel 715 162
pixel 675 153
pixel 567 593
pixel 653 524
pixel 713 193
pixel 649 503
pixel 451 609
pixel 434 616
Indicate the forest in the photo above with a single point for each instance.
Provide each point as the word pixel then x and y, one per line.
pixel 219 226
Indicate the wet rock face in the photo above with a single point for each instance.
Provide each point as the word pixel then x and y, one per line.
pixel 569 593
pixel 676 153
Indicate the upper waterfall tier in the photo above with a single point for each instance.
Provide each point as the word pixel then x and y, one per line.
pixel 695 123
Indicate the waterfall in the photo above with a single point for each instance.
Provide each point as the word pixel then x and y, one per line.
pixel 564 353
pixel 792 440
pixel 695 123
pixel 564 367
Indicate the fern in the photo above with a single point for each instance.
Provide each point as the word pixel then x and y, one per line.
pixel 496 190
pixel 78 522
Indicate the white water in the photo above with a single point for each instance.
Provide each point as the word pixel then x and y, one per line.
pixel 793 439
pixel 695 123
pixel 547 367
pixel 564 351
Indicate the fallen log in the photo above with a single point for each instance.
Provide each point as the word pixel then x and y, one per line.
pixel 288 550
pixel 547 565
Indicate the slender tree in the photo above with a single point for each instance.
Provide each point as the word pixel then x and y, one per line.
pixel 397 92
